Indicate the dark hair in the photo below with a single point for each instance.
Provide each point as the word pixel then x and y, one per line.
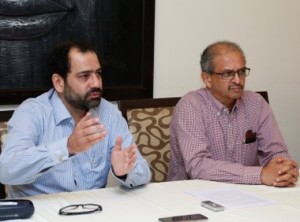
pixel 211 51
pixel 59 60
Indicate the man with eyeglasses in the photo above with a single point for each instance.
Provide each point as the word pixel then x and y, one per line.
pixel 224 133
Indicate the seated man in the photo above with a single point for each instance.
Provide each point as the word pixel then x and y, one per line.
pixel 221 132
pixel 69 138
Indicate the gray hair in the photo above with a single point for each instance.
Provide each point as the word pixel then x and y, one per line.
pixel 211 51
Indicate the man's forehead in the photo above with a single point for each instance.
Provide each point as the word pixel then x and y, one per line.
pixel 228 52
pixel 224 49
pixel 83 61
pixel 79 56
pixel 226 59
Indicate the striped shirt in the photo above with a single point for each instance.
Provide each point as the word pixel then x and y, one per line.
pixel 208 142
pixel 35 158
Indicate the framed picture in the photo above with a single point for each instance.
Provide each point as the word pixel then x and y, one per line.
pixel 122 32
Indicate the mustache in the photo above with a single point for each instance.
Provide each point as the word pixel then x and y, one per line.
pixel 236 86
pixel 97 90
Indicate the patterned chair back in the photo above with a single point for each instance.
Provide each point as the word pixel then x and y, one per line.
pixel 148 121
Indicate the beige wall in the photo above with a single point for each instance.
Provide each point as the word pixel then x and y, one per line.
pixel 267 30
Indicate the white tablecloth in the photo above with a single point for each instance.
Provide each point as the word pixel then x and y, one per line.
pixel 155 200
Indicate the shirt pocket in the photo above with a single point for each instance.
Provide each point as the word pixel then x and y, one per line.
pixel 249 152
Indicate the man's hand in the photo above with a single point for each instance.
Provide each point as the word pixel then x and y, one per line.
pixel 289 173
pixel 122 160
pixel 87 132
pixel 280 172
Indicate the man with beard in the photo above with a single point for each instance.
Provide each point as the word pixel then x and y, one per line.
pixel 224 133
pixel 68 138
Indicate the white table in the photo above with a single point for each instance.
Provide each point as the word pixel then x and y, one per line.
pixel 155 200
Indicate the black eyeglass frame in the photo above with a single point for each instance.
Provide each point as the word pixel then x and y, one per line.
pixel 229 74
pixel 63 211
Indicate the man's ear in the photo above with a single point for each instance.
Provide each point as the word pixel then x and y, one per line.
pixel 58 83
pixel 206 78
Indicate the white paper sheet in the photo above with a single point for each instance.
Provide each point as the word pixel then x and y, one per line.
pixel 230 198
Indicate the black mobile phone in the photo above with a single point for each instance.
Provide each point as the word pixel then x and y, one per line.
pixel 181 218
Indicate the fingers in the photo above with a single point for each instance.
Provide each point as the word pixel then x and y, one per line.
pixel 87 132
pixel 289 170
pixel 285 161
pixel 285 169
pixel 123 159
pixel 280 172
pixel 118 143
pixel 131 153
pixel 286 180
pixel 282 159
pixel 279 159
pixel 92 139
pixel 287 174
pixel 130 156
pixel 296 172
pixel 289 167
pixel 88 121
pixel 284 184
pixel 77 143
pixel 285 177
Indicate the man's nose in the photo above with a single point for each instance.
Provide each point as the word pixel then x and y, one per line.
pixel 236 78
pixel 96 80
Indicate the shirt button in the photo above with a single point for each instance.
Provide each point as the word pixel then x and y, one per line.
pixel 61 158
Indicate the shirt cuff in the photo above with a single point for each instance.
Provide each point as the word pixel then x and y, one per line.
pixel 252 175
pixel 127 180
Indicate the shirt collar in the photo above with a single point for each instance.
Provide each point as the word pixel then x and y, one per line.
pixel 219 106
pixel 60 111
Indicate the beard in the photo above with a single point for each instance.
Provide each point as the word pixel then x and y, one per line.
pixel 82 102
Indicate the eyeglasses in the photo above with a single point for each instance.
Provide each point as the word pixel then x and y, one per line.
pixel 229 74
pixel 78 209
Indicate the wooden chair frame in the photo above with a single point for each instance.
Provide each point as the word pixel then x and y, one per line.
pixel 264 94
pixel 125 105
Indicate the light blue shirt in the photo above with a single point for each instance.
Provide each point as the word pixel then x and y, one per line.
pixel 35 158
